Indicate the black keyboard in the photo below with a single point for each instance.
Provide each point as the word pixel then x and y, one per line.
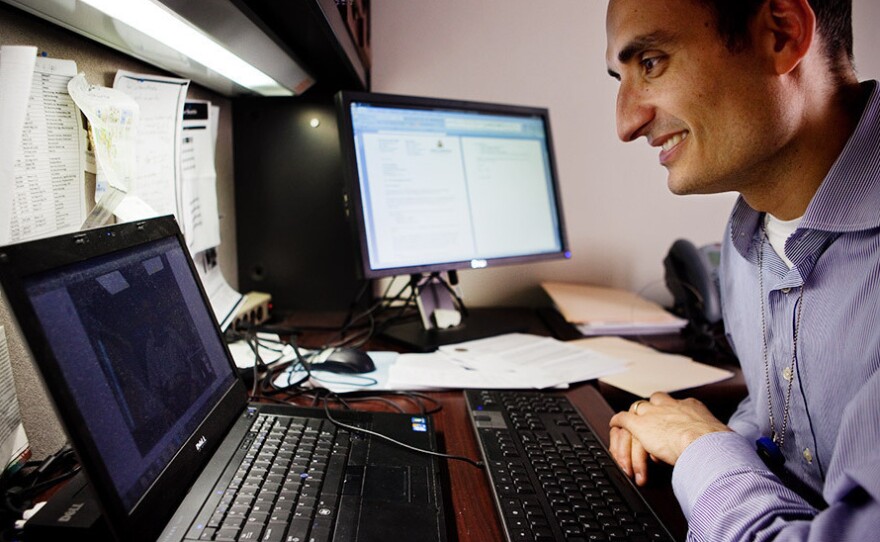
pixel 286 487
pixel 552 479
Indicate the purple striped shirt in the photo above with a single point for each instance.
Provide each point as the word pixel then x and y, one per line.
pixel 832 440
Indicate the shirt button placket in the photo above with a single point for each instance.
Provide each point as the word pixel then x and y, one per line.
pixel 808 456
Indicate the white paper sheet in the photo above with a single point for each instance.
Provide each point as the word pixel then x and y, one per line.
pixel 157 139
pixel 225 301
pixel 49 170
pixel 649 370
pixel 200 218
pixel 514 360
pixel 271 350
pixel 533 360
pixel 16 75
pixel 13 440
pixel 113 118
pixel 439 370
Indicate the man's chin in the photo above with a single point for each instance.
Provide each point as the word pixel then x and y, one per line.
pixel 679 187
pixel 682 185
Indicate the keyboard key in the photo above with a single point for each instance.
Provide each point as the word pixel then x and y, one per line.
pixel 275 531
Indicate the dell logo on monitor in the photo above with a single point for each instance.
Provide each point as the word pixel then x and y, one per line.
pixel 201 444
pixel 478 264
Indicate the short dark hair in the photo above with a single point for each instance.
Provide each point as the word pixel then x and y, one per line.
pixel 833 21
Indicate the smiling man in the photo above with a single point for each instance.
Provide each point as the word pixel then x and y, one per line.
pixel 761 97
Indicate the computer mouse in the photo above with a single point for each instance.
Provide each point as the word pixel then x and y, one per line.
pixel 346 360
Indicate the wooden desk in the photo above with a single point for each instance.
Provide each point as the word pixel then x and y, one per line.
pixel 472 506
pixel 469 500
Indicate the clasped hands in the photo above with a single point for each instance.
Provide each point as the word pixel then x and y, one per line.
pixel 661 429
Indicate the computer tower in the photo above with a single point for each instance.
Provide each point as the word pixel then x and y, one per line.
pixel 293 238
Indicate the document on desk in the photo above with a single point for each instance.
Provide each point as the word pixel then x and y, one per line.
pixel 599 310
pixel 648 370
pixel 514 360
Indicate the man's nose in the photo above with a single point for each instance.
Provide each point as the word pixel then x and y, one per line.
pixel 634 111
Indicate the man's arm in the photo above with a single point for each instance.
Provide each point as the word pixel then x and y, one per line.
pixel 727 493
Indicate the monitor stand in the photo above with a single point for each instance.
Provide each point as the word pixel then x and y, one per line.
pixel 479 324
pixel 444 320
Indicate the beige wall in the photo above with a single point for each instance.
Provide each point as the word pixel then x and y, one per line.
pixel 621 218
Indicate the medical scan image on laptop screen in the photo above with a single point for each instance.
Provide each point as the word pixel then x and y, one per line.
pixel 142 387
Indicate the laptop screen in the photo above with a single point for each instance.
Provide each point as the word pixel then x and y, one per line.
pixel 140 354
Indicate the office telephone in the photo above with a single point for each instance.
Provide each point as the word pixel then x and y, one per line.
pixel 692 278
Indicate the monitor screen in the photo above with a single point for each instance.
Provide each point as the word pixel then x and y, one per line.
pixel 439 185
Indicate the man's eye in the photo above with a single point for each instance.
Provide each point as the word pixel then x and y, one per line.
pixel 649 64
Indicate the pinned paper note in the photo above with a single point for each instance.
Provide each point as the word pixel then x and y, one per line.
pixel 158 138
pixel 14 447
pixel 113 117
pixel 45 194
pixel 16 71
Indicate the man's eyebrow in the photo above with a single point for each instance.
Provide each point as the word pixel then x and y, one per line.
pixel 642 43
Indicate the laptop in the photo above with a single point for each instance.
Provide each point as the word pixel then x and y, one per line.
pixel 122 333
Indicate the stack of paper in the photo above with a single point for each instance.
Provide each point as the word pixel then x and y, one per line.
pixel 508 361
pixel 598 310
pixel 513 361
pixel 649 370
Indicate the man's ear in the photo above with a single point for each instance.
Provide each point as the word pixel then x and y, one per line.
pixel 786 30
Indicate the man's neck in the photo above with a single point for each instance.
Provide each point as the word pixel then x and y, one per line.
pixel 828 123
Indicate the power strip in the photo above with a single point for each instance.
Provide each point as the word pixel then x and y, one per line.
pixel 254 311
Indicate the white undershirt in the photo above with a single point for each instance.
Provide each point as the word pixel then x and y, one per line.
pixel 778 231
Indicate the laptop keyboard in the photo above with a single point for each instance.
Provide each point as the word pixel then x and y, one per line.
pixel 552 479
pixel 287 487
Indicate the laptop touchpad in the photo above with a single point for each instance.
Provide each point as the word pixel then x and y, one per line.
pixel 386 483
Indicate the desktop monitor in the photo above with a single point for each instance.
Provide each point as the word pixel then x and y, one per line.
pixel 438 185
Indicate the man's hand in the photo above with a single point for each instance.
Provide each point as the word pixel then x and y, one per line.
pixel 660 429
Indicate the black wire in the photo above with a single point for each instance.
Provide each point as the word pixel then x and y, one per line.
pixel 478 464
pixel 438 406
pixel 351 307
pixel 270 388
pixel 797 367
pixel 21 486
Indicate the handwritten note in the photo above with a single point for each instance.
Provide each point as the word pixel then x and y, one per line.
pixel 158 138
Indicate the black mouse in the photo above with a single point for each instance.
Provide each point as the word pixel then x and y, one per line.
pixel 346 360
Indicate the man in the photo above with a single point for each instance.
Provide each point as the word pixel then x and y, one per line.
pixel 761 97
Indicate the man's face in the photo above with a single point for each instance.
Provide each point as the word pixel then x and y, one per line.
pixel 709 112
